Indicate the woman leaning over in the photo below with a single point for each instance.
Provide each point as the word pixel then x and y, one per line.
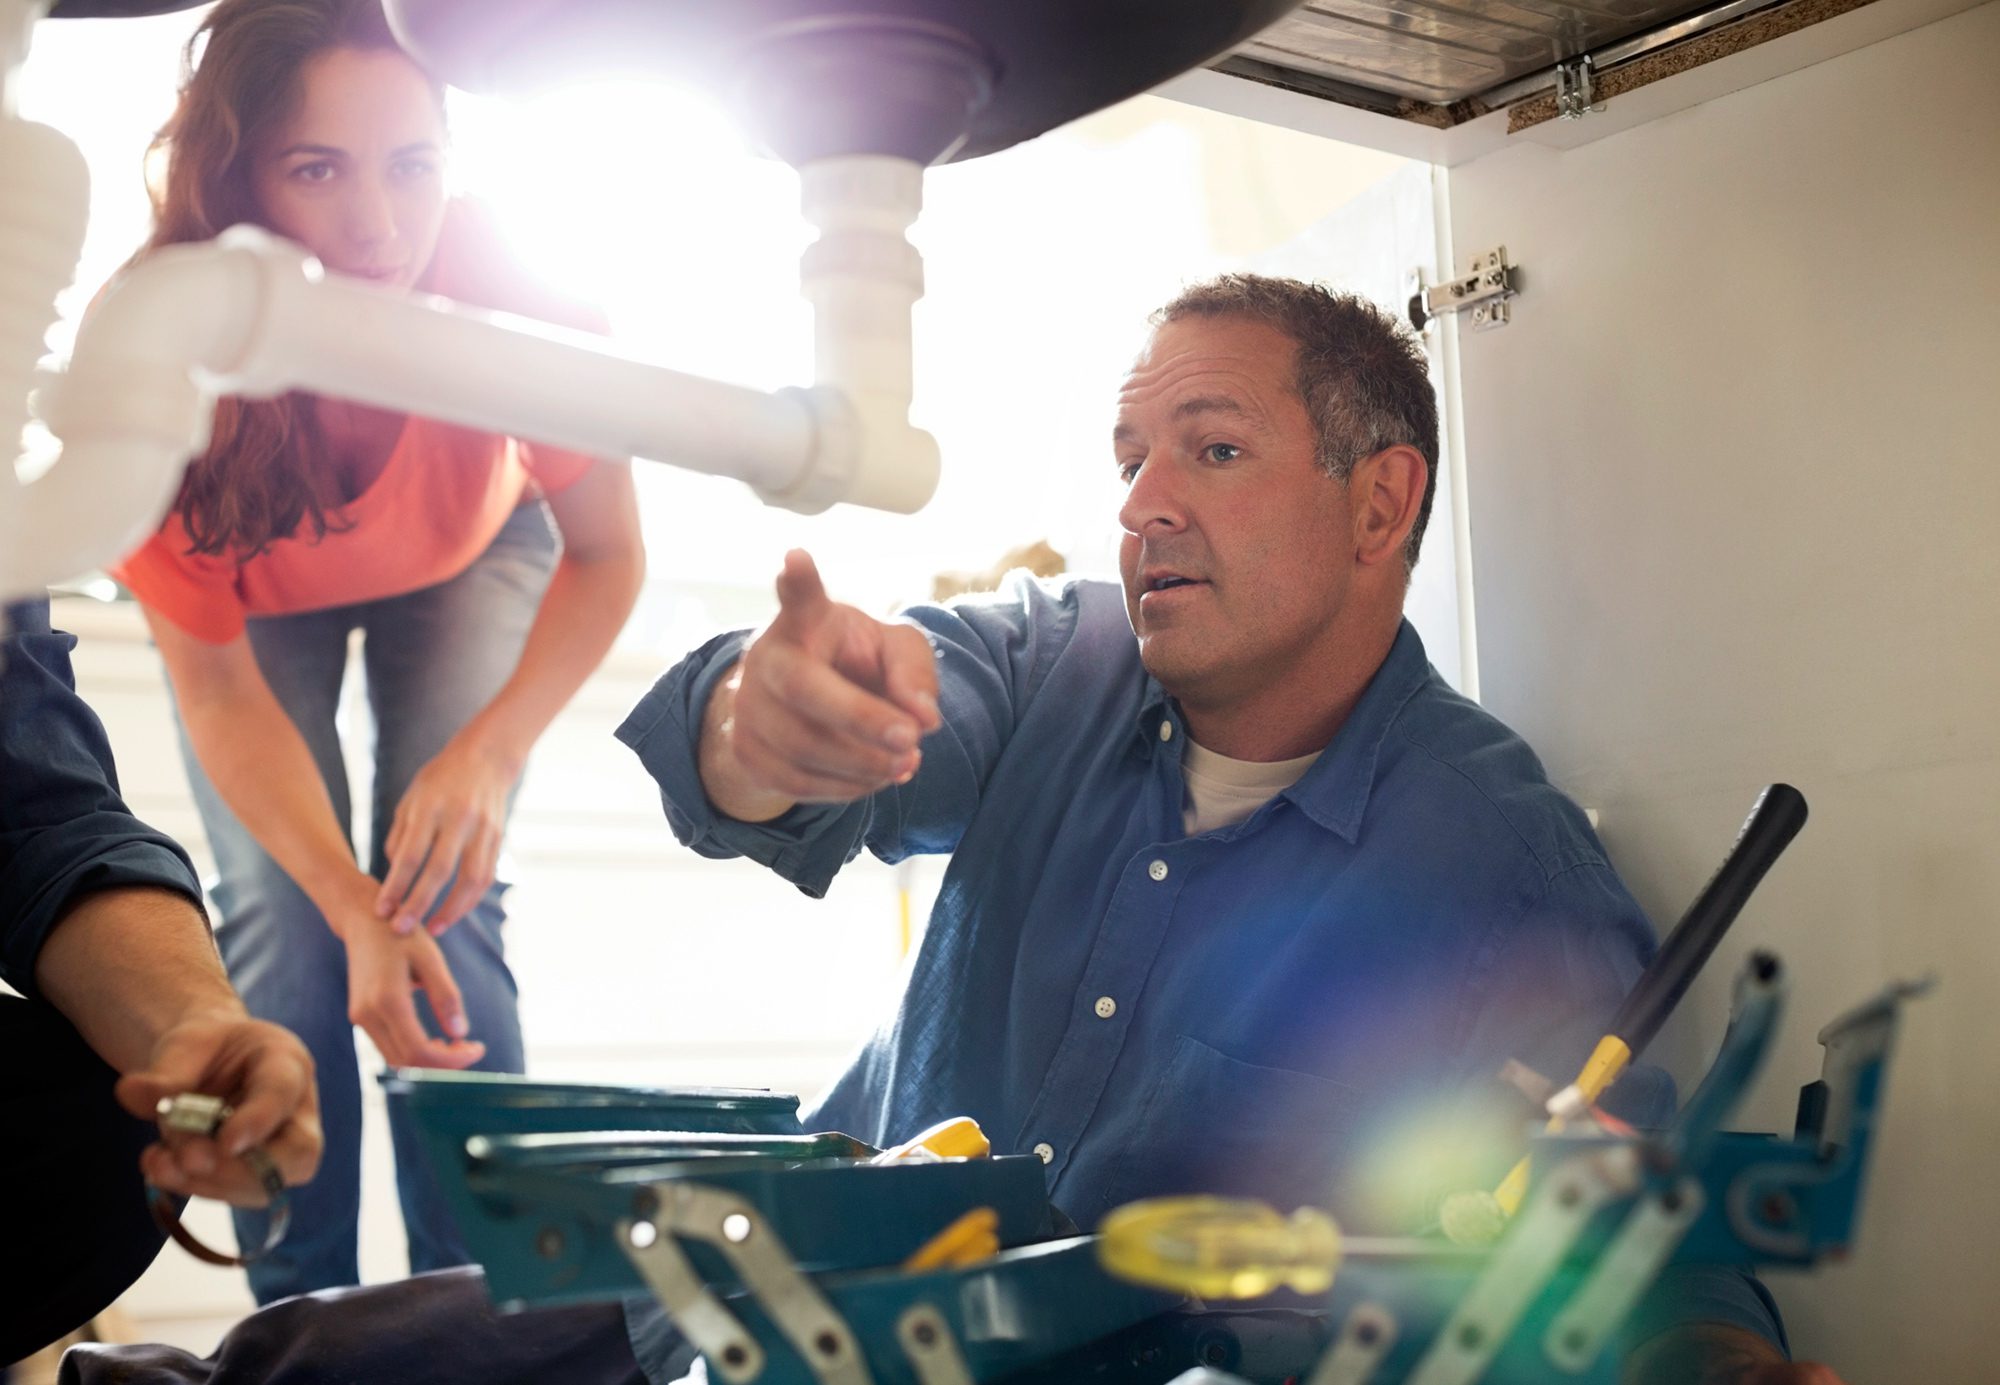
pixel 309 519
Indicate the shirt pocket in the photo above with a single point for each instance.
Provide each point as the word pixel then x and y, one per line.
pixel 1214 1124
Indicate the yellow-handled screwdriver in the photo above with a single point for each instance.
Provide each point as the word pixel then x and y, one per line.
pixel 1219 1248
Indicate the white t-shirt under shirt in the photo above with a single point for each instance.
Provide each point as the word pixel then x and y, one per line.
pixel 1221 791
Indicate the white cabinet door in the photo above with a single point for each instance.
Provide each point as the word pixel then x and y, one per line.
pixel 1733 506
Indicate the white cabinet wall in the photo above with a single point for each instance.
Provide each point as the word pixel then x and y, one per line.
pixel 1734 512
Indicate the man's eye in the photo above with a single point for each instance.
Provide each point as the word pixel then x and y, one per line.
pixel 1222 452
pixel 416 168
pixel 318 171
pixel 1127 470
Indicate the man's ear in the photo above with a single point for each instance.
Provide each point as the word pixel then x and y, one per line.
pixel 1386 490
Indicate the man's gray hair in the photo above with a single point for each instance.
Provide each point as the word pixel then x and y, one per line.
pixel 1360 372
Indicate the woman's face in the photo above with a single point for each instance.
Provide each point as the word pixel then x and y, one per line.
pixel 356 174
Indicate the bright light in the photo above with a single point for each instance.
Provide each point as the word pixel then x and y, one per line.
pixel 107 85
pixel 644 200
pixel 1039 271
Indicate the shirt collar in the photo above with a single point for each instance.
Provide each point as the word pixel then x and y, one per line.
pixel 1334 792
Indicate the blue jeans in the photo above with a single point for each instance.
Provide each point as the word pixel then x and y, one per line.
pixel 432 659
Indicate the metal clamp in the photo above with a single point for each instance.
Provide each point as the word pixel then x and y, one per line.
pixel 735 1228
pixel 1555 1216
pixel 192 1113
pixel 1767 1204
pixel 1576 89
pixel 698 1313
pixel 1856 1042
pixel 1627 1268
pixel 932 1350
pixel 1365 1338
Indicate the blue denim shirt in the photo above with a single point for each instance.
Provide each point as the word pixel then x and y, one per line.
pixel 64 831
pixel 1309 1006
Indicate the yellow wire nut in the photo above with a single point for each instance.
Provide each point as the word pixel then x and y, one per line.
pixel 1220 1248
pixel 968 1240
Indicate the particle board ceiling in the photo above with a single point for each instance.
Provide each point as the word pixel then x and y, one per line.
pixel 1437 52
pixel 1441 62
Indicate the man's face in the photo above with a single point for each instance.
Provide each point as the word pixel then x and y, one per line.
pixel 1238 548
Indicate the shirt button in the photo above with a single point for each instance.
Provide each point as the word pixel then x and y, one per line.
pixel 1106 1007
pixel 1158 870
pixel 1166 730
pixel 1046 1153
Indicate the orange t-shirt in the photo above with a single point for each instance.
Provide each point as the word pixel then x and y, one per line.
pixel 443 496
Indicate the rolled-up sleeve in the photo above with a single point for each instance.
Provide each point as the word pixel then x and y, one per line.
pixel 806 845
pixel 64 830
pixel 992 653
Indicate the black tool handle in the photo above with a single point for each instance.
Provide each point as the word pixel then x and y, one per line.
pixel 1779 813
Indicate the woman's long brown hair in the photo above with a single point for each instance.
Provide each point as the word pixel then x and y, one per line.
pixel 267 467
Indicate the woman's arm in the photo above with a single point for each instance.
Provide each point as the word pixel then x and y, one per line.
pixel 260 765
pixel 450 818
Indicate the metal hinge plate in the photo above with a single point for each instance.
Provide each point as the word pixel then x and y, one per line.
pixel 1483 292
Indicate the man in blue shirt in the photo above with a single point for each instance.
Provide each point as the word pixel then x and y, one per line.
pixel 1252 903
pixel 102 931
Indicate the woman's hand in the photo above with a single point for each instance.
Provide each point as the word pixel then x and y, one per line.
pixel 452 815
pixel 450 821
pixel 384 970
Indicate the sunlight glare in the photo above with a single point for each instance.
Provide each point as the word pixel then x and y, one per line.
pixel 644 200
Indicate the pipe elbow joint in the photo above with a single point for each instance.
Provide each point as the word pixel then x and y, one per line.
pixel 865 452
pixel 167 337
pixel 138 397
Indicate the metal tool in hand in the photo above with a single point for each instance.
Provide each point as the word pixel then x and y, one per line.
pixel 191 1113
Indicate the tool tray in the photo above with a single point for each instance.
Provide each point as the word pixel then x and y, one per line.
pixel 781 1252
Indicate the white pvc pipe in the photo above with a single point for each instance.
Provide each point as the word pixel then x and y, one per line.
pixel 862 277
pixel 44 204
pixel 503 374
pixel 130 410
pixel 102 500
pixel 252 315
pixel 17 22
